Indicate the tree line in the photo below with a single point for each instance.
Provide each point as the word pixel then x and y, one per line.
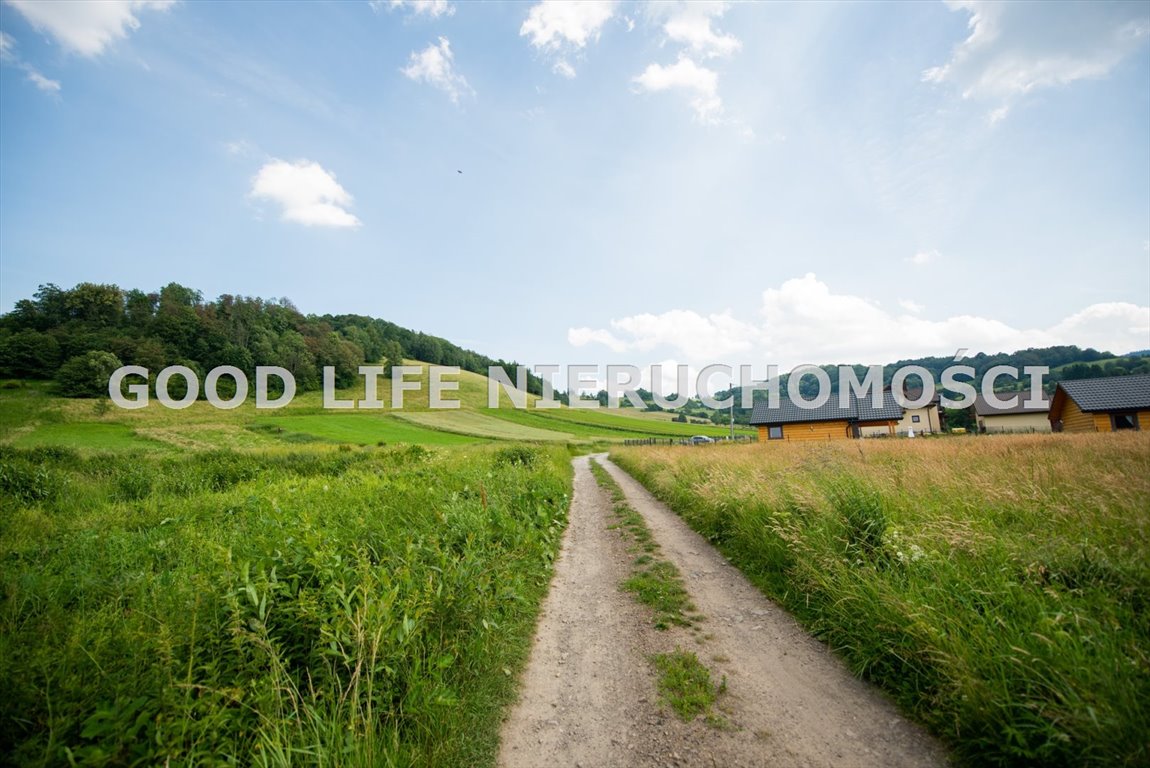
pixel 78 336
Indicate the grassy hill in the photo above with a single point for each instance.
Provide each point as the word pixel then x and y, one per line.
pixel 31 415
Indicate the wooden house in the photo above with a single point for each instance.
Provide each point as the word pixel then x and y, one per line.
pixel 1109 404
pixel 830 421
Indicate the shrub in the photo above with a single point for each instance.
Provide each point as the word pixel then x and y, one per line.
pixel 87 375
pixel 515 455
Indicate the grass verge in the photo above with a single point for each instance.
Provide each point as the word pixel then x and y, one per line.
pixel 328 607
pixel 998 587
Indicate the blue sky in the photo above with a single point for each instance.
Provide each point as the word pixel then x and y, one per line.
pixel 641 182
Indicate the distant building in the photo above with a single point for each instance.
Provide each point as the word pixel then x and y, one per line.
pixel 830 421
pixel 926 420
pixel 1111 404
pixel 1021 418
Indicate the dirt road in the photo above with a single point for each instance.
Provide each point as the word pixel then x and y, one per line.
pixel 589 697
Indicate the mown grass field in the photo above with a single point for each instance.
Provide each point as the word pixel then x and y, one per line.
pixel 315 607
pixel 30 416
pixel 998 587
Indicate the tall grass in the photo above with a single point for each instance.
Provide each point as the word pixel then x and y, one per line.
pixel 352 607
pixel 999 587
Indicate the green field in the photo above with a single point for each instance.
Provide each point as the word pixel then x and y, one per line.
pixel 998 587
pixel 302 585
pixel 358 587
pixel 327 607
pixel 356 428
pixel 30 415
pixel 483 424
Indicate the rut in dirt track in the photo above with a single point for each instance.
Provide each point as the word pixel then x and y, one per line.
pixel 589 699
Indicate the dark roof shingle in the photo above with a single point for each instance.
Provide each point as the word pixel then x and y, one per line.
pixel 856 410
pixel 983 408
pixel 1113 393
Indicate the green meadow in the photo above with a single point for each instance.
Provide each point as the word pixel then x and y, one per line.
pixel 276 587
pixel 327 606
pixel 359 587
pixel 31 416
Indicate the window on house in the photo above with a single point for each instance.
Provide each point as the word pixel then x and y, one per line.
pixel 774 433
pixel 916 418
pixel 1124 421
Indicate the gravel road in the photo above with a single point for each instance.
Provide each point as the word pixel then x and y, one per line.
pixel 589 699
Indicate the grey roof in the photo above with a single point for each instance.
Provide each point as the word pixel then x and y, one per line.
pixel 983 408
pixel 1113 393
pixel 857 410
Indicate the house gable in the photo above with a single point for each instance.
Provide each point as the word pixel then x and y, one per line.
pixel 1095 405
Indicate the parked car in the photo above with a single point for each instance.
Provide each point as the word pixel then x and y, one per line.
pixel 701 439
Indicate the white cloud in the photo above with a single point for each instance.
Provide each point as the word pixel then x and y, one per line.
pixel 922 258
pixel 86 27
pixel 580 337
pixel 910 305
pixel 563 27
pixel 43 83
pixel 689 23
pixel 430 8
pixel 557 24
pixel 1119 327
pixel 803 321
pixel 686 75
pixel 8 55
pixel 998 115
pixel 241 148
pixel 1016 48
pixel 435 65
pixel 562 67
pixel 697 336
pixel 307 193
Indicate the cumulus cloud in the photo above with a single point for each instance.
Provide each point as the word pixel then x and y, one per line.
pixel 431 8
pixel 565 27
pixel 696 336
pixel 306 193
pixel 803 321
pixel 435 65
pixel 83 26
pixel 8 55
pixel 1016 48
pixel 1127 326
pixel 689 23
pixel 910 305
pixel 686 75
